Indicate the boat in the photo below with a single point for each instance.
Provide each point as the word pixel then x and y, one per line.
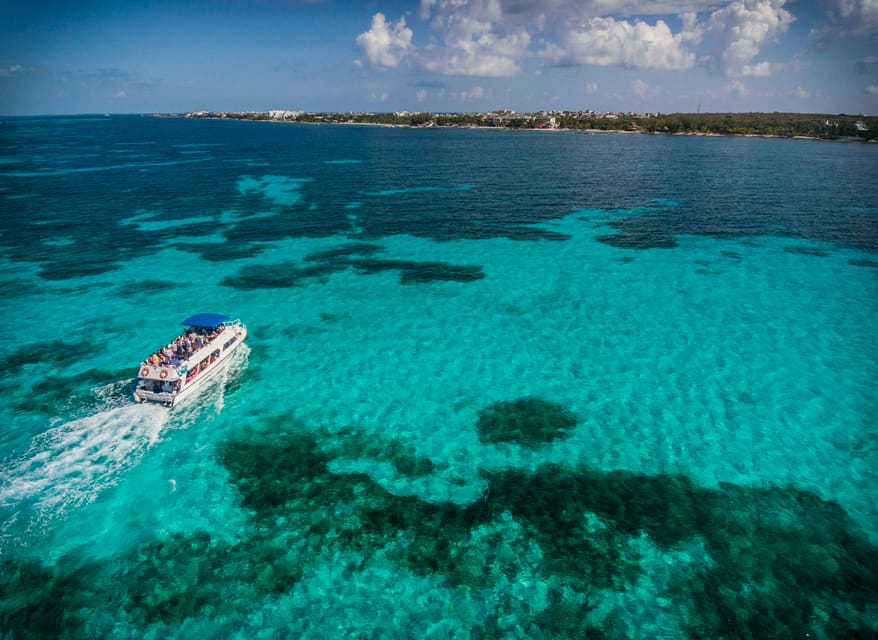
pixel 175 371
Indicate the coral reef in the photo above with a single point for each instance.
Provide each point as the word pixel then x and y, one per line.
pixel 530 422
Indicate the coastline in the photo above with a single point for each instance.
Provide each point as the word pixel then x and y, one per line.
pixel 332 118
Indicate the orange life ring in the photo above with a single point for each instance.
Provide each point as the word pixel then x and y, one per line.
pixel 163 374
pixel 144 372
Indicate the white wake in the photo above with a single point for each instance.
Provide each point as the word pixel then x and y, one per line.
pixel 71 463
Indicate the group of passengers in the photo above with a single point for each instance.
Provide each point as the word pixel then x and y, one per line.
pixel 183 347
pixel 157 386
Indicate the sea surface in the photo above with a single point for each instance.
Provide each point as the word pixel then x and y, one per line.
pixel 496 385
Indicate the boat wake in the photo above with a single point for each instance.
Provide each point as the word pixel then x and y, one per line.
pixel 71 463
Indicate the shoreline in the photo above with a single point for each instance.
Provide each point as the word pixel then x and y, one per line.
pixel 580 131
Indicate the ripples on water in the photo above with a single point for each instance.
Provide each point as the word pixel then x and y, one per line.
pixel 498 384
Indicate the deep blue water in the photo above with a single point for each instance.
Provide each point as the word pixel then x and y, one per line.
pixel 497 384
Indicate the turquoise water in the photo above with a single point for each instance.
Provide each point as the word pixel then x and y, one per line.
pixel 518 385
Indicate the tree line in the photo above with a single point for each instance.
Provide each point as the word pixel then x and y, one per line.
pixel 787 125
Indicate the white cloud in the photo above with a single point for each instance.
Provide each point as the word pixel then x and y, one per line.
pixel 474 49
pixel 872 89
pixel 494 38
pixel 738 32
pixel 421 95
pixel 380 97
pixel 385 44
pixel 16 70
pixel 640 88
pixel 862 15
pixel 11 70
pixel 759 70
pixel 472 94
pixel 591 88
pixel 848 17
pixel 738 89
pixel 799 92
pixel 120 94
pixel 607 41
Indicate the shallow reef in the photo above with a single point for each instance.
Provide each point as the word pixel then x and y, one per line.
pixel 776 562
pixel 807 251
pixel 357 256
pixel 526 421
pixel 70 392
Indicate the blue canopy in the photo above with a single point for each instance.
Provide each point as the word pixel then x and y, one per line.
pixel 211 320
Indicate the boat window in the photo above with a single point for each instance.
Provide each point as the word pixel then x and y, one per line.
pixel 230 343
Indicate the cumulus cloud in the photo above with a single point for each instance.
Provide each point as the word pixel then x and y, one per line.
pixel 494 38
pixel 637 45
pixel 385 44
pixel 482 54
pixel 799 92
pixel 738 33
pixel 872 89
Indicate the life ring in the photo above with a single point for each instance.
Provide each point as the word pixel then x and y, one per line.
pixel 163 374
pixel 144 372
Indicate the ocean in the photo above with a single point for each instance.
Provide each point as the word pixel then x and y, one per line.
pixel 497 384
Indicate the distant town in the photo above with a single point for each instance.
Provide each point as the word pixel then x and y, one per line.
pixel 785 125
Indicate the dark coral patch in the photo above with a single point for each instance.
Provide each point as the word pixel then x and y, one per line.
pixel 781 562
pixel 807 251
pixel 54 353
pixel 650 231
pixel 348 256
pixel 54 394
pixel 412 272
pixel 778 555
pixel 222 252
pixel 344 251
pixel 282 275
pixel 185 576
pixel 630 240
pixel 530 422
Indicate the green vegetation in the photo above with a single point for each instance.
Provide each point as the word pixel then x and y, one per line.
pixel 785 125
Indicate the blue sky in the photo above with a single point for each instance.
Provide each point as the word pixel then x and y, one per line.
pixel 439 55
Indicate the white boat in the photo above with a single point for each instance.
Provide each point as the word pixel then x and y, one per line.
pixel 191 359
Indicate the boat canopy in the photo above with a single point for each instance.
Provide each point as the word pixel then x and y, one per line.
pixel 211 320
